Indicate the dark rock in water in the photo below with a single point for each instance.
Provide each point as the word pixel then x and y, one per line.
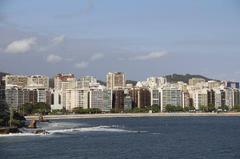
pixel 33 124
pixel 9 130
pixel 40 132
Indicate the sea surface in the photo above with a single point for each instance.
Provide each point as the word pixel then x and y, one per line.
pixel 129 138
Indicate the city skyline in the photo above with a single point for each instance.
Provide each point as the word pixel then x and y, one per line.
pixel 150 38
pixel 70 93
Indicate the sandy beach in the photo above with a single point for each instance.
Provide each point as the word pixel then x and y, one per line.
pixel 122 115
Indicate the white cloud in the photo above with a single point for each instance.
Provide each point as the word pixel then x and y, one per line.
pixel 54 59
pixel 96 57
pixel 58 40
pixel 20 46
pixel 150 56
pixel 81 65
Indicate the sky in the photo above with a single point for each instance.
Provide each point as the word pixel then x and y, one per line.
pixel 139 37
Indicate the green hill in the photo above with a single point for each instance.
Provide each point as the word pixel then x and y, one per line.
pixel 184 78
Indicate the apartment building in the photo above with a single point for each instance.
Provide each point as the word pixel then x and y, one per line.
pixel 116 80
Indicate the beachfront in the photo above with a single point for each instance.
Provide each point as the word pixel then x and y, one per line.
pixel 119 115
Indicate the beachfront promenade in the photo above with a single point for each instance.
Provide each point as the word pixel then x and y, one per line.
pixel 118 115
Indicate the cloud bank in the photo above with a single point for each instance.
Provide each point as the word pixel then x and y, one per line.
pixel 20 46
pixel 58 40
pixel 150 56
pixel 96 57
pixel 81 65
pixel 54 59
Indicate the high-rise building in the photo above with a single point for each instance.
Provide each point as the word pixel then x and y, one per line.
pixel 213 84
pixel 230 84
pixel 107 100
pixel 56 99
pixel 211 97
pixel 70 101
pixel 82 98
pixel 29 82
pixel 186 99
pixel 86 81
pixel 229 96
pixel 154 82
pixel 115 80
pixel 141 97
pixel 11 97
pixel 38 82
pixel 96 99
pixel 16 97
pixel 200 98
pixel 118 100
pixel 61 79
pixel 170 95
pixel 16 81
pixel 195 81
pixel 219 98
pixel 155 97
pixel 236 97
pixel 127 102
pixel 64 82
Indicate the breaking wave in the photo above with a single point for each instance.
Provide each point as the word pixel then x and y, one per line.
pixel 21 134
pixel 59 128
pixel 90 129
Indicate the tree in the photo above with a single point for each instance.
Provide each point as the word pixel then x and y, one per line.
pixel 224 108
pixel 28 108
pixel 203 108
pixel 17 121
pixel 4 113
pixel 170 108
pixel 42 108
pixel 237 108
pixel 80 110
pixel 211 108
pixel 178 108
pixel 155 108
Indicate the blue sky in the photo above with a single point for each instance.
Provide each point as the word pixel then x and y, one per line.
pixel 139 37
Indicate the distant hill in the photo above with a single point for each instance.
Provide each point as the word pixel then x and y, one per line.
pixel 184 78
pixel 131 82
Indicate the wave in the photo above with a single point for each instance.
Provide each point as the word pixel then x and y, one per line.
pixel 89 129
pixel 21 134
pixel 114 129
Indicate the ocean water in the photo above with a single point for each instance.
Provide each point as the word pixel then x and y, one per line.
pixel 129 138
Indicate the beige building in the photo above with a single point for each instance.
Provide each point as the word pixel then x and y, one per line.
pixel 195 81
pixel 115 80
pixel 200 98
pixel 63 79
pixel 27 82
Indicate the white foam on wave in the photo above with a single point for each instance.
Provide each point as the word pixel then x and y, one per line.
pixel 73 130
pixel 21 134
pixel 62 124
pixel 90 129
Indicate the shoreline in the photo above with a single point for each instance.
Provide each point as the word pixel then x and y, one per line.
pixel 132 115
